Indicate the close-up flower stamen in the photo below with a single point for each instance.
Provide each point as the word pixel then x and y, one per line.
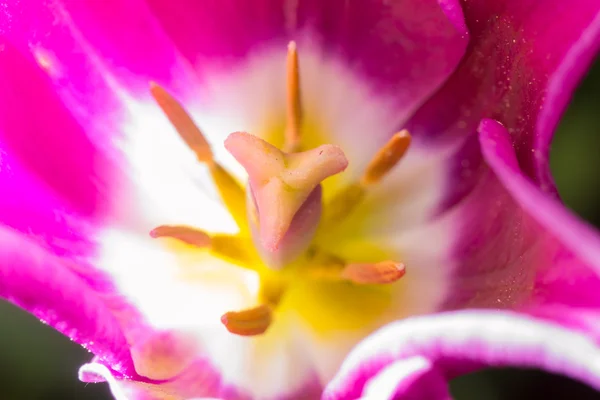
pixel 283 205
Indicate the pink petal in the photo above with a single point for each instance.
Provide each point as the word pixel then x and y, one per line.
pixel 568 277
pixel 197 382
pixel 36 127
pixel 520 61
pixel 560 87
pixel 501 245
pixel 69 73
pixel 404 48
pixel 46 286
pixel 121 36
pixel 458 342
pixel 495 247
pixel 29 207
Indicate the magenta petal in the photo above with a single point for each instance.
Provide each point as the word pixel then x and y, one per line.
pixel 459 342
pixel 496 145
pixel 36 127
pixel 520 60
pixel 568 279
pixel 559 90
pixel 404 48
pixel 123 36
pixel 28 206
pixel 45 285
pixel 496 246
pixel 69 71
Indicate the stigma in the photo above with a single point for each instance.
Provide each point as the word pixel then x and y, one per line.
pixel 284 193
pixel 279 208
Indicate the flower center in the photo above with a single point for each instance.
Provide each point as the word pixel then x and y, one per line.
pixel 281 209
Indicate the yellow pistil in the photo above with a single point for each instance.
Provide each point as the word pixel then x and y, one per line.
pixel 280 212
pixel 229 189
pixel 294 106
pixel 249 322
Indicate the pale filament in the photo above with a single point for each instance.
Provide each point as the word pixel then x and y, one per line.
pixel 229 247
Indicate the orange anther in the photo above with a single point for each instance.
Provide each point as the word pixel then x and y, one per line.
pixel 376 273
pixel 183 123
pixel 250 322
pixel 192 236
pixel 386 158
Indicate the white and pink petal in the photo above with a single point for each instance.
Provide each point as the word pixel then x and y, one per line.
pixel 446 345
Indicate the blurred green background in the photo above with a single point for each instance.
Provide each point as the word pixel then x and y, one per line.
pixel 37 363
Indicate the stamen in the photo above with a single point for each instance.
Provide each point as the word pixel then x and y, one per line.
pixel 377 273
pixel 233 248
pixel 294 106
pixel 250 322
pixel 191 236
pixel 281 182
pixel 346 200
pixel 386 158
pixel 229 189
pixel 183 123
pixel 328 267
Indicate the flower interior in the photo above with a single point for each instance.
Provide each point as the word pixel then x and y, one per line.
pixel 286 213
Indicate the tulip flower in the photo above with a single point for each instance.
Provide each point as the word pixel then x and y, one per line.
pixel 296 199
